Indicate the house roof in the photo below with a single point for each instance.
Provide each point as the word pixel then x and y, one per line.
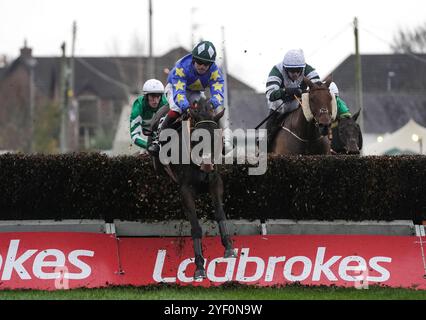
pixel 394 89
pixel 247 109
pixel 109 77
pixel 403 72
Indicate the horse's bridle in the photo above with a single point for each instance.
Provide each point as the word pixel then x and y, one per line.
pixel 316 122
pixel 201 122
pixel 322 110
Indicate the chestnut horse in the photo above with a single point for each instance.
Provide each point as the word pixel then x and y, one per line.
pixel 307 130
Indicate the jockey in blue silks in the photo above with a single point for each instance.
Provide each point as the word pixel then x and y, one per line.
pixel 186 82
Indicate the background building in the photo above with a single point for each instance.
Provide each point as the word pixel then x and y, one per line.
pixel 34 90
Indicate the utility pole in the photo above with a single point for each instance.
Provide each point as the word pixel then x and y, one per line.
pixel 73 106
pixel 194 27
pixel 225 119
pixel 62 100
pixel 358 77
pixel 151 71
pixel 30 63
pixel 225 75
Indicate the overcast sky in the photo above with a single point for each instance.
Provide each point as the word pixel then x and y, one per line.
pixel 257 33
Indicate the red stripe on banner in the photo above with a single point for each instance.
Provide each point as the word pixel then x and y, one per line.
pixel 70 260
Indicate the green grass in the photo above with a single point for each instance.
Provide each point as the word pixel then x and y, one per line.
pixel 236 292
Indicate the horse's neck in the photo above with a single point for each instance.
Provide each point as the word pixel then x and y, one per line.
pixel 297 123
pixel 336 142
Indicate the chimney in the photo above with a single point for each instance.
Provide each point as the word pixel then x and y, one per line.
pixel 26 52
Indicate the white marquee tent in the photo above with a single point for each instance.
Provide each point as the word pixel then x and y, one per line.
pixel 400 141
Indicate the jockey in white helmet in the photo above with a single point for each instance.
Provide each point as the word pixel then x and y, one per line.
pixel 143 110
pixel 284 83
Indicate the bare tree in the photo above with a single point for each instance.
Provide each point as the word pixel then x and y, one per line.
pixel 410 41
pixel 113 47
pixel 137 45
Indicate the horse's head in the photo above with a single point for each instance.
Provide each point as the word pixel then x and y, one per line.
pixel 207 132
pixel 320 102
pixel 349 134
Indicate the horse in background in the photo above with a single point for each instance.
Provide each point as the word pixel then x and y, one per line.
pixel 194 179
pixel 307 130
pixel 347 136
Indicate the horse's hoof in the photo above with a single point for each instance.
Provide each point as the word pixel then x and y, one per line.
pixel 230 253
pixel 200 274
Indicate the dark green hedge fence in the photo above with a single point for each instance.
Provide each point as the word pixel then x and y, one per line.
pixel 94 186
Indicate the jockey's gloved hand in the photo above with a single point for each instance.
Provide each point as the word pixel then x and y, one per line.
pixel 277 95
pixel 294 92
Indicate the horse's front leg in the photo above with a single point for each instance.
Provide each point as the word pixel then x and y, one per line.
pixel 216 192
pixel 196 231
pixel 323 146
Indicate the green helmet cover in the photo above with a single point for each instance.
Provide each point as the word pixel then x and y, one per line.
pixel 204 51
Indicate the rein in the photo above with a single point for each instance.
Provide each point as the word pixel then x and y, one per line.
pixel 321 111
pixel 316 123
pixel 194 127
pixel 299 138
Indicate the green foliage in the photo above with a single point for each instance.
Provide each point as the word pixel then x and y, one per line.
pixel 47 128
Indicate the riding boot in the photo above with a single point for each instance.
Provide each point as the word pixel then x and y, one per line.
pixel 154 148
pixel 226 240
pixel 200 272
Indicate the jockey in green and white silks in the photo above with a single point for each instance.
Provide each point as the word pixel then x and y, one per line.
pixel 342 108
pixel 285 81
pixel 144 109
pixel 186 83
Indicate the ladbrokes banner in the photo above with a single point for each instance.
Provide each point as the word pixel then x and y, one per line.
pixel 53 260
pixel 271 260
pixel 69 260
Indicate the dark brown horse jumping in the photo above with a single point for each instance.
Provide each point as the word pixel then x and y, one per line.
pixel 308 130
pixel 347 136
pixel 194 179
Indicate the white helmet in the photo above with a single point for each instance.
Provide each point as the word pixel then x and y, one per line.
pixel 333 89
pixel 152 86
pixel 294 59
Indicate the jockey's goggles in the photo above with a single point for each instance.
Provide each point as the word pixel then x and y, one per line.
pixel 155 95
pixel 294 70
pixel 201 62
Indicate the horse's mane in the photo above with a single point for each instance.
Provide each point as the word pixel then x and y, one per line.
pixel 203 108
pixel 319 85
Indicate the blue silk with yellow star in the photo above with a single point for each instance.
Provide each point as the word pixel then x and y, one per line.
pixel 184 77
